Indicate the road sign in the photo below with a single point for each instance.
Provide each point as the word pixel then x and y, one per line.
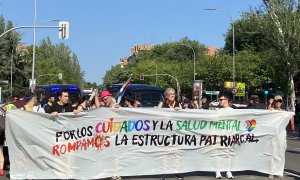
pixel 228 84
pixel 240 88
pixel 3 82
pixel 212 92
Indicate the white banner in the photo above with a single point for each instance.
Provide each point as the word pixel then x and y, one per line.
pixel 141 141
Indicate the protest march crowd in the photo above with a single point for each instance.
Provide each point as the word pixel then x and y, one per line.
pixel 62 103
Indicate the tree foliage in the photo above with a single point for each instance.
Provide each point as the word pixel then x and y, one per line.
pixel 273 32
pixel 10 59
pixel 176 59
pixel 52 59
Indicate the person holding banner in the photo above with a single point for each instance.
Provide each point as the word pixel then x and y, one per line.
pixel 225 104
pixel 84 104
pixel 276 105
pixel 170 101
pixel 2 139
pixel 109 101
pixel 94 100
pixel 62 105
pixel 3 110
pixel 51 101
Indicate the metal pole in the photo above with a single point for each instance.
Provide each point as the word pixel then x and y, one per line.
pixel 156 74
pixel 177 83
pixel 20 27
pixel 11 65
pixel 194 58
pixel 51 20
pixel 233 57
pixel 45 75
pixel 33 56
pixel 200 94
pixel 233 44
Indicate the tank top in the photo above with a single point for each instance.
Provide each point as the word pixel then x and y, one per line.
pixel 84 108
pixel 165 105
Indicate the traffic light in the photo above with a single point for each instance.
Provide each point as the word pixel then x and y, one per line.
pixel 142 77
pixel 59 75
pixel 63 32
pixel 266 92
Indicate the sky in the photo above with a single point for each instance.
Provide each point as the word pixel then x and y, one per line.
pixel 103 31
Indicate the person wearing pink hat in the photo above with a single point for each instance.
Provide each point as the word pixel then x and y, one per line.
pixel 109 101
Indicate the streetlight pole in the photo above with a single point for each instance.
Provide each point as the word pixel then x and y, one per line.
pixel 51 20
pixel 34 42
pixel 59 76
pixel 233 42
pixel 177 83
pixel 11 65
pixel 155 72
pixel 33 49
pixel 20 27
pixel 194 58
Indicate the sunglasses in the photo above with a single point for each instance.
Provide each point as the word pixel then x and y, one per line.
pixel 278 101
pixel 105 98
pixel 222 99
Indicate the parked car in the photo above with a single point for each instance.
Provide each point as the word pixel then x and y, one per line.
pixel 150 95
pixel 52 90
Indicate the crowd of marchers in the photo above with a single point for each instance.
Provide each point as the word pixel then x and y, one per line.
pixel 61 103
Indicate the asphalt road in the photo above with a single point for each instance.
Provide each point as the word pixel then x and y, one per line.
pixel 292 168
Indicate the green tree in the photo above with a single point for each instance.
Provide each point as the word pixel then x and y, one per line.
pixel 55 59
pixel 273 31
pixel 173 58
pixel 284 19
pixel 11 59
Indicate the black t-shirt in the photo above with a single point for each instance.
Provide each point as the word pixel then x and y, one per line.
pixel 205 105
pixel 47 108
pixel 60 108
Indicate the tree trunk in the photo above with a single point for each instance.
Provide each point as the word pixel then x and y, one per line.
pixel 282 43
pixel 293 94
